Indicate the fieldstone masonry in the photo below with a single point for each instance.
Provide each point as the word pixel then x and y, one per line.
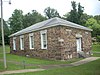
pixel 61 43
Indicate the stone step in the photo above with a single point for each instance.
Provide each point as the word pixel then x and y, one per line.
pixel 82 55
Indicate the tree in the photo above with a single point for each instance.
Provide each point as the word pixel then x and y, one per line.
pixel 96 30
pixel 80 13
pixel 75 14
pixel 97 17
pixel 98 38
pixel 6 33
pixel 50 13
pixel 92 23
pixel 16 21
pixel 32 18
pixel 84 18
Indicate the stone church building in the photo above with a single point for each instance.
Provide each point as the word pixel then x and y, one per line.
pixel 54 39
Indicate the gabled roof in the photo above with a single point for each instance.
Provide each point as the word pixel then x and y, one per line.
pixel 49 23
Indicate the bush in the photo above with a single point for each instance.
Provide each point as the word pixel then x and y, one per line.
pixel 98 38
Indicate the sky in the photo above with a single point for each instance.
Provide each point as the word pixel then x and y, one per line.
pixel 92 7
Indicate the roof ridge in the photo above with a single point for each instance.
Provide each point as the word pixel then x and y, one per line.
pixel 48 22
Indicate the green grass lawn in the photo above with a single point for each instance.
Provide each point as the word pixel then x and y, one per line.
pixel 35 61
pixel 96 48
pixel 13 66
pixel 7 48
pixel 91 68
pixel 20 59
pixel 96 55
pixel 16 58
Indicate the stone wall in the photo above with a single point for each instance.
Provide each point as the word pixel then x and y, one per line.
pixel 52 51
pixel 69 45
pixel 61 42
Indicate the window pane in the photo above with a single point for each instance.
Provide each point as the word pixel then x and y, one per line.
pixel 14 44
pixel 44 43
pixel 22 39
pixel 44 36
pixel 44 40
pixel 31 41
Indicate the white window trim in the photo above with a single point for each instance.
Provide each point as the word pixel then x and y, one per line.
pixel 42 32
pixel 30 45
pixel 14 43
pixel 22 48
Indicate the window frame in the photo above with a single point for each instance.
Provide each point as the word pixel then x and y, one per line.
pixel 30 40
pixel 14 43
pixel 42 43
pixel 22 42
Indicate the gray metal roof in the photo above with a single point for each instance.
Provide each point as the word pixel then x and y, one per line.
pixel 49 23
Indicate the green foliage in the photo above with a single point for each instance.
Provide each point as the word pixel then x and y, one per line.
pixel 84 18
pixel 80 13
pixel 6 33
pixel 75 14
pixel 97 17
pixel 16 21
pixel 98 38
pixel 50 13
pixel 32 18
pixel 80 10
pixel 96 30
pixel 92 23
